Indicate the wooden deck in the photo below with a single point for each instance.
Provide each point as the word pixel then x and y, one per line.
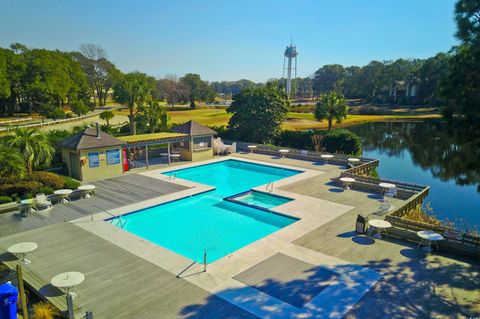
pixel 414 285
pixel 110 193
pixel 121 285
pixel 118 284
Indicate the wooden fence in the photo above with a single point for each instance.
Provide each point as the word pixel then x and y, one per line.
pixel 455 241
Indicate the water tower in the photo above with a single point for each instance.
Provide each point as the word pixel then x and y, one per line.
pixel 290 54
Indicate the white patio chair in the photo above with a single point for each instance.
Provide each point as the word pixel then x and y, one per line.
pixel 42 202
pixel 391 193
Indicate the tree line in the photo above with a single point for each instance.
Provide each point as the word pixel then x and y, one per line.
pixel 45 81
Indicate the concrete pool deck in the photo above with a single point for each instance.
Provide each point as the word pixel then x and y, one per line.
pixel 378 277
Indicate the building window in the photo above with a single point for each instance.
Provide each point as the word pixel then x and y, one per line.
pixel 113 157
pixel 93 160
pixel 200 143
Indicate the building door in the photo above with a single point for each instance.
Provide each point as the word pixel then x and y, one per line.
pixel 74 166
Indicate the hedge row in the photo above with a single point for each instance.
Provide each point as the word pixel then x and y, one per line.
pixel 34 183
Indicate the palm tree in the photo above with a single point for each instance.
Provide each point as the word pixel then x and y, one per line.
pixel 332 106
pixel 154 116
pixel 33 145
pixel 133 90
pixel 107 116
pixel 12 164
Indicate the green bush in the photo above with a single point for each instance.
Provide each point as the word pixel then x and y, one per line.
pixel 20 188
pixel 70 183
pixel 342 141
pixel 47 179
pixel 56 114
pixel 5 199
pixel 296 139
pixel 46 190
pixel 70 115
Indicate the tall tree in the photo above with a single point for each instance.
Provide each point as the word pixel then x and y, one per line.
pixel 197 89
pixel 372 79
pixel 101 73
pixel 34 146
pixel 133 90
pixel 258 113
pixel 152 117
pixel 332 106
pixel 4 81
pixel 172 91
pixel 461 85
pixel 329 77
pixel 107 116
pixel 430 75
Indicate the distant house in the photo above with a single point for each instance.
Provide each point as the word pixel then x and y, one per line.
pixel 399 92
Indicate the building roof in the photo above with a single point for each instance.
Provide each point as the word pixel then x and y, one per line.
pixel 88 140
pixel 162 136
pixel 193 128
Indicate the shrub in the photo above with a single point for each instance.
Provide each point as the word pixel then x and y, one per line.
pixel 56 113
pixel 47 179
pixel 342 141
pixel 296 139
pixel 69 115
pixel 5 199
pixel 20 188
pixel 70 183
pixel 47 190
pixel 44 310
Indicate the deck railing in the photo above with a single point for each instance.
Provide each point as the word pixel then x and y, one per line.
pixel 412 194
pixel 338 158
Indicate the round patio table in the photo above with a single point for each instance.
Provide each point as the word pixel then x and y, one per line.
pixel 67 281
pixel 428 237
pixel 252 148
pixel 347 181
pixel 28 205
pixel 326 157
pixel 379 226
pixel 387 185
pixel 63 194
pixel 284 152
pixel 175 157
pixel 88 189
pixel 353 160
pixel 22 249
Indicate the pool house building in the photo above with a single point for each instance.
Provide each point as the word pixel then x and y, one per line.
pixel 93 154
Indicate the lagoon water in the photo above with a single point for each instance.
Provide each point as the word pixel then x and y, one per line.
pixel 424 153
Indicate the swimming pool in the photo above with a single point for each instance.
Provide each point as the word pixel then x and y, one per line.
pixel 191 225
pixel 259 199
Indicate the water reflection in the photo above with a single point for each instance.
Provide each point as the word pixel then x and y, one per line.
pixel 427 153
pixel 430 145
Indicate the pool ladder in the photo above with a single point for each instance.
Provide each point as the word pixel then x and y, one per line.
pixel 120 221
pixel 269 187
pixel 172 175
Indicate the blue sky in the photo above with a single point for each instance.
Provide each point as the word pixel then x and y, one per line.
pixel 230 40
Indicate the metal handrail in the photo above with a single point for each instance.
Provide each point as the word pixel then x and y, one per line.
pixel 271 187
pixel 118 217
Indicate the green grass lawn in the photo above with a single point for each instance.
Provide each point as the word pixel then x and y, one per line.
pixel 295 121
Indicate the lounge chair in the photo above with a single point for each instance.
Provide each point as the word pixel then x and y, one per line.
pixel 43 202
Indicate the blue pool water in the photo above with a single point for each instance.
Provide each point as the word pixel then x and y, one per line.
pixel 207 222
pixel 262 199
